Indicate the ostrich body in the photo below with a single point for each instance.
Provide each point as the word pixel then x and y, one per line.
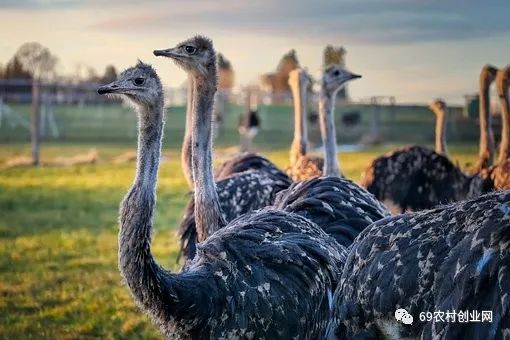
pixel 453 258
pixel 246 183
pixel 415 178
pixel 500 174
pixel 266 275
pixel 302 165
pixel 340 207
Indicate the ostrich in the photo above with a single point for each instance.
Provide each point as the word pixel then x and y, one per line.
pixel 340 207
pixel 455 258
pixel 240 192
pixel 302 165
pixel 439 108
pixel 237 164
pixel 415 178
pixel 486 149
pixel 500 174
pixel 265 275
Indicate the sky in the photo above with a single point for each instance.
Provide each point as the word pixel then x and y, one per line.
pixel 415 50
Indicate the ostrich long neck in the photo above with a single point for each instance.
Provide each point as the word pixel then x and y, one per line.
pixel 163 294
pixel 486 137
pixel 299 146
pixel 504 147
pixel 143 275
pixel 328 132
pixel 208 215
pixel 187 169
pixel 441 132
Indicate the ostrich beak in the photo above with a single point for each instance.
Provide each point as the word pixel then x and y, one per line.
pixel 355 76
pixel 169 52
pixel 109 88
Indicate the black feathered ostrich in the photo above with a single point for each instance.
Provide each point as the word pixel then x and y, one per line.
pixel 247 182
pixel 264 275
pixel 455 258
pixel 414 178
pixel 340 207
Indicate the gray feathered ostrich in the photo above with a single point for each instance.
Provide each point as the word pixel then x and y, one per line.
pixel 265 275
pixel 455 258
pixel 302 164
pixel 414 178
pixel 340 207
pixel 246 183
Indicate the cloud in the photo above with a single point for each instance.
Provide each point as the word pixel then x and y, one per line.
pixel 370 21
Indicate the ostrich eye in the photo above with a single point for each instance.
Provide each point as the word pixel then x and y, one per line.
pixel 139 81
pixel 190 49
pixel 336 73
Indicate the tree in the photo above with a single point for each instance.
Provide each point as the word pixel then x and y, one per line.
pixel 288 63
pixel 37 59
pixel 14 70
pixel 225 74
pixel 335 56
pixel 110 74
pixel 40 62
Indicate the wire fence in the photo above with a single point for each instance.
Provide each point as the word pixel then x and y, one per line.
pixel 76 113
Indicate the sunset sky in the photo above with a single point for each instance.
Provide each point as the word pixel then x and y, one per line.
pixel 415 50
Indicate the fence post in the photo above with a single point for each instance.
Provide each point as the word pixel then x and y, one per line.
pixel 35 122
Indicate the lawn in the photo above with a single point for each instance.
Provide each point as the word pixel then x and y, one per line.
pixel 58 240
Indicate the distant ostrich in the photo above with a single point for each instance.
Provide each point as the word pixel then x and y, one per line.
pixel 439 108
pixel 239 192
pixel 267 275
pixel 500 174
pixel 415 178
pixel 340 207
pixel 486 149
pixel 455 258
pixel 302 165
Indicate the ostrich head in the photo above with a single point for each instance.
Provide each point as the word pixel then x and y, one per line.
pixel 488 74
pixel 195 55
pixel 335 77
pixel 140 84
pixel 503 81
pixel 438 106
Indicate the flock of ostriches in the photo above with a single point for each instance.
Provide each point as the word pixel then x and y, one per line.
pixel 306 253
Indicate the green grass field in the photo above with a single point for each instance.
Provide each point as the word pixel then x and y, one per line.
pixel 58 240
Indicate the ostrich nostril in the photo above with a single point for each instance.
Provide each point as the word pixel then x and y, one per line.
pixel 115 86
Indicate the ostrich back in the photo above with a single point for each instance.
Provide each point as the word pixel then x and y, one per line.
pixel 306 167
pixel 249 161
pixel 238 194
pixel 267 275
pixel 415 178
pixel 337 205
pixel 455 257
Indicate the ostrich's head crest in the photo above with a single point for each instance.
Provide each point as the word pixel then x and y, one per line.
pixel 195 55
